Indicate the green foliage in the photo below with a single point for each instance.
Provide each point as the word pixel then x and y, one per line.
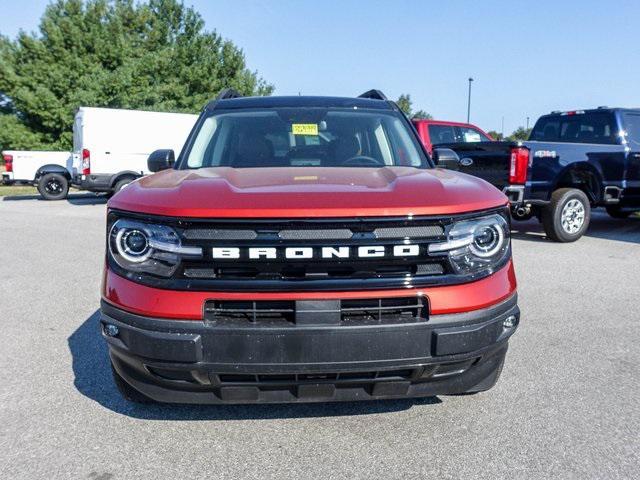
pixel 422 115
pixel 406 105
pixel 495 135
pixel 112 53
pixel 520 134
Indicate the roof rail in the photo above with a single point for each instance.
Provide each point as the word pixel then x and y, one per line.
pixel 553 112
pixel 602 107
pixel 374 95
pixel 228 93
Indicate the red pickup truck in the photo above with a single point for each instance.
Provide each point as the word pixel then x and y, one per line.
pixel 305 249
pixel 435 132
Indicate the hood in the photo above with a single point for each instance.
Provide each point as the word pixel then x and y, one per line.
pixel 306 192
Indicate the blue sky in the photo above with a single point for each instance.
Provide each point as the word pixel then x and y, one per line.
pixel 527 58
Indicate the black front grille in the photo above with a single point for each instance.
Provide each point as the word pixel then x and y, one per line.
pixel 230 311
pixel 344 312
pixel 267 273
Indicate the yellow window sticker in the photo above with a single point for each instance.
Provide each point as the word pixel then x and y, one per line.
pixel 304 129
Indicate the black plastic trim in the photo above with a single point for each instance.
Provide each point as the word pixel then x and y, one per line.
pixel 52 168
pixel 190 361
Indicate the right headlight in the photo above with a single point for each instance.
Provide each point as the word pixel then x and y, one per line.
pixel 478 245
pixel 140 247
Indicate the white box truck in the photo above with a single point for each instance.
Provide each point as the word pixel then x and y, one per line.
pixel 111 146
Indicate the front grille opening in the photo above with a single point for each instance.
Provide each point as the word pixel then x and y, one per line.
pixel 384 309
pixel 311 271
pixel 337 378
pixel 283 312
pixel 230 311
pixel 424 231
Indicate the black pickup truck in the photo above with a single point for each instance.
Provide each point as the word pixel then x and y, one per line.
pixel 573 161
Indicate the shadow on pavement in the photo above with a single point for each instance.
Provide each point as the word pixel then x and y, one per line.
pixel 93 379
pixel 601 226
pixel 73 198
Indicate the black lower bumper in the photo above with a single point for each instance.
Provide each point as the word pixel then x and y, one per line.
pixel 192 362
pixel 94 183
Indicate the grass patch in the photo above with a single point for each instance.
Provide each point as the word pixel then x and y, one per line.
pixel 11 190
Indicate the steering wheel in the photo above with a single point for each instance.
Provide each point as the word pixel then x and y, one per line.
pixel 363 161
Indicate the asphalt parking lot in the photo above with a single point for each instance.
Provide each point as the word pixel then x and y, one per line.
pixel 566 405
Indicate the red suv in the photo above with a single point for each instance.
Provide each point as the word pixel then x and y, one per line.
pixel 305 249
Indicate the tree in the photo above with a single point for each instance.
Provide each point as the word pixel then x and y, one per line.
pixel 495 135
pixel 422 115
pixel 520 134
pixel 406 105
pixel 112 53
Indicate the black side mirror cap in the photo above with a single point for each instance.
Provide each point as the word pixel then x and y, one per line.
pixel 161 160
pixel 446 158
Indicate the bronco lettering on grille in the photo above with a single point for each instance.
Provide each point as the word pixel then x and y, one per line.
pixel 267 253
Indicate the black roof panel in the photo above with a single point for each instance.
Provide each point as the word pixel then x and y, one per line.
pixel 299 101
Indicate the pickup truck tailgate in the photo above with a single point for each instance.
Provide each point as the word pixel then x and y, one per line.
pixel 487 160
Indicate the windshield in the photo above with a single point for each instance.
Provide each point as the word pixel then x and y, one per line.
pixel 304 137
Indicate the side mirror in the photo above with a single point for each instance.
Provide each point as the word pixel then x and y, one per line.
pixel 161 160
pixel 446 158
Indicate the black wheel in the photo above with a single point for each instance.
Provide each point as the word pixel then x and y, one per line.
pixel 567 217
pixel 617 212
pixel 120 184
pixel 53 186
pixel 127 391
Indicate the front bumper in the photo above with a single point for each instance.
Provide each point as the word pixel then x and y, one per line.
pixel 193 362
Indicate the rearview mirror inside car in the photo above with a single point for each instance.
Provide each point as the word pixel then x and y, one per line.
pixel 446 158
pixel 161 160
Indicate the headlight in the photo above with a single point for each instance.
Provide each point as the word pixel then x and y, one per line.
pixel 147 248
pixel 476 245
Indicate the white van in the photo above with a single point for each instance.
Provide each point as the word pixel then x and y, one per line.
pixel 111 146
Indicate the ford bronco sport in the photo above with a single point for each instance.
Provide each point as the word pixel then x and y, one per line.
pixel 306 249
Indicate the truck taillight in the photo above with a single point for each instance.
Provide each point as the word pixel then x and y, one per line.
pixel 86 162
pixel 519 165
pixel 8 162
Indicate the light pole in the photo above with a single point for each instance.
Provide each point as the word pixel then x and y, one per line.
pixel 469 101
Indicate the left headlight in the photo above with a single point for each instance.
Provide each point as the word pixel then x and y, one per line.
pixel 478 245
pixel 148 248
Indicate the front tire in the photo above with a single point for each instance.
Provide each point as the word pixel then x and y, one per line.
pixel 120 184
pixel 567 217
pixel 53 186
pixel 617 212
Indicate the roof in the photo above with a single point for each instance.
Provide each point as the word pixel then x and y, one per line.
pixel 442 122
pixel 299 101
pixel 591 110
